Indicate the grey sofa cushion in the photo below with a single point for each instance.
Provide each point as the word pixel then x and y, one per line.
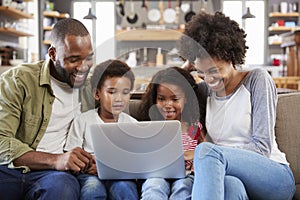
pixel 287 130
pixel 133 109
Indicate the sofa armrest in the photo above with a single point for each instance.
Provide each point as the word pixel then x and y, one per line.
pixel 287 131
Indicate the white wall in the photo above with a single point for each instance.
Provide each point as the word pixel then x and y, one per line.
pixel 102 29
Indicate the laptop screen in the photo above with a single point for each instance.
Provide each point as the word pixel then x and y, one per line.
pixel 138 150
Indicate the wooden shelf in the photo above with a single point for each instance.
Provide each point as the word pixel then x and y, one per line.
pixel 55 14
pixel 279 14
pixel 280 28
pixel 14 13
pixel 47 28
pixel 47 42
pixel 148 35
pixel 275 43
pixel 14 32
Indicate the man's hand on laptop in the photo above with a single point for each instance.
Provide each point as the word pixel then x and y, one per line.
pixel 76 160
pixel 92 169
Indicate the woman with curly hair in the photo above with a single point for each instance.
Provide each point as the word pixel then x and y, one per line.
pixel 242 159
pixel 173 94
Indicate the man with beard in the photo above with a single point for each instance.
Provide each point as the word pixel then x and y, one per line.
pixel 38 101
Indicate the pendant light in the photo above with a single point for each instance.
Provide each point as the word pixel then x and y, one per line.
pixel 248 14
pixel 90 15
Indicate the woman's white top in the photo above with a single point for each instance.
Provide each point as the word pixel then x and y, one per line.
pixel 246 118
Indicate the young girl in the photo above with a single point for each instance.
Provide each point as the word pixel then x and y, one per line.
pixel 173 95
pixel 111 82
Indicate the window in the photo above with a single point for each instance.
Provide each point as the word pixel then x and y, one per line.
pixel 102 29
pixel 254 27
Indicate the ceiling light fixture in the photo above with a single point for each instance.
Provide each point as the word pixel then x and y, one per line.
pixel 90 15
pixel 248 14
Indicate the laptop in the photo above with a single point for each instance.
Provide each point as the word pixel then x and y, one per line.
pixel 138 150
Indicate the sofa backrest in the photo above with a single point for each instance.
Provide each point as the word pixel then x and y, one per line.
pixel 133 108
pixel 287 130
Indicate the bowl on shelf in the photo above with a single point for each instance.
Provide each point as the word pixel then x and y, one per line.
pixel 15 62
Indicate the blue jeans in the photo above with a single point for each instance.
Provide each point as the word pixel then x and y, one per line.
pixel 159 188
pixel 44 184
pixel 231 173
pixel 91 187
pixel 122 189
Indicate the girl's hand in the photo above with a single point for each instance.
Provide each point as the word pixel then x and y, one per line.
pixel 189 155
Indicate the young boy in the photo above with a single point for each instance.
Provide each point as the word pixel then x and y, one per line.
pixel 111 83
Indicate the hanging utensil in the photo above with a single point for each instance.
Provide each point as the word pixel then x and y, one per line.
pixel 177 10
pixel 161 10
pixel 121 8
pixel 203 5
pixel 184 7
pixel 154 14
pixel 132 17
pixel 144 7
pixel 169 13
pixel 188 16
pixel 144 4
pixel 118 13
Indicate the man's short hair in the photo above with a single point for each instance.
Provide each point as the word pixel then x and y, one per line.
pixel 68 26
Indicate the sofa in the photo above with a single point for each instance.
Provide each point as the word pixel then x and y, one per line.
pixel 287 130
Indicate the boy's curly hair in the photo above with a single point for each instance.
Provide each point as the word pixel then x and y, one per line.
pixel 194 108
pixel 109 69
pixel 216 36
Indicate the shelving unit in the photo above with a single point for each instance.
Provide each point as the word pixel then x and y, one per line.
pixel 148 35
pixel 274 16
pixel 14 14
pixel 280 28
pixel 277 28
pixel 279 14
pixel 55 14
pixel 12 30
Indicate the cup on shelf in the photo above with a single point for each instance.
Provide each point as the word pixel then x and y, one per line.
pixel 276 62
pixel 295 7
pixel 280 22
pixel 284 7
pixel 275 8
